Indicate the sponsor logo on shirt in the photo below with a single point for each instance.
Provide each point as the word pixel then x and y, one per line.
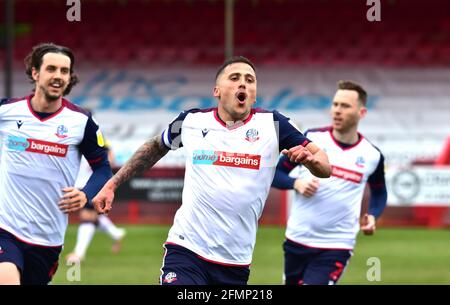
pixel 230 159
pixel 19 123
pixel 37 146
pixel 205 132
pixel 17 143
pixel 346 174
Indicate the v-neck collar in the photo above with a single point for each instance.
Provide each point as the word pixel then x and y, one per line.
pixel 235 126
pixel 360 137
pixel 63 104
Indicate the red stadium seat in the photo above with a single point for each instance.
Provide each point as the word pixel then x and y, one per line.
pixel 287 32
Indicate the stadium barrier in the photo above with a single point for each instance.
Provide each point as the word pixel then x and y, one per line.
pixel 418 196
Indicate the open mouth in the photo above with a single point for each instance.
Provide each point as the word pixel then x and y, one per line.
pixel 241 96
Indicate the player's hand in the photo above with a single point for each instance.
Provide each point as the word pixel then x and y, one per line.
pixel 103 201
pixel 73 200
pixel 298 154
pixel 306 187
pixel 368 224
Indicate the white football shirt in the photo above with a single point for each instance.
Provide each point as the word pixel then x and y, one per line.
pixel 227 180
pixel 330 218
pixel 39 157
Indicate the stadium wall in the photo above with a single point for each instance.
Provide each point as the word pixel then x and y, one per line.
pixel 408 121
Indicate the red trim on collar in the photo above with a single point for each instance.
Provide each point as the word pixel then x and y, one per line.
pixel 361 137
pixel 218 119
pixel 63 104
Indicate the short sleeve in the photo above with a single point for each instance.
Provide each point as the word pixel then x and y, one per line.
pixel 288 134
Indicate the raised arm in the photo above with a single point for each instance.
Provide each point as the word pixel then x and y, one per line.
pixel 312 157
pixel 143 159
pixel 299 149
pixel 319 166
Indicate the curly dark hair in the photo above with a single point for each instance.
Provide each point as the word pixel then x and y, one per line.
pixel 34 60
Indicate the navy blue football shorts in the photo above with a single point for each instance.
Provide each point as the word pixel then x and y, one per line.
pixel 183 267
pixel 36 264
pixel 305 265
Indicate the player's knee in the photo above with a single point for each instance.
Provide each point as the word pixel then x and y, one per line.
pixel 9 274
pixel 88 216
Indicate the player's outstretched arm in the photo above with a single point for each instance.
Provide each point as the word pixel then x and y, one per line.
pixel 144 158
pixel 312 157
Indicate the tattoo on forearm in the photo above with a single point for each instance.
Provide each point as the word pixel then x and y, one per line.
pixel 144 158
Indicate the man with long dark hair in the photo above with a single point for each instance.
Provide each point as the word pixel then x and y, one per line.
pixel 44 136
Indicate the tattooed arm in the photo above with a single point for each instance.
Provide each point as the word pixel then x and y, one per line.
pixel 143 159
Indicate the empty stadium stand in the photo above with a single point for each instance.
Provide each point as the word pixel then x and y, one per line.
pixel 281 32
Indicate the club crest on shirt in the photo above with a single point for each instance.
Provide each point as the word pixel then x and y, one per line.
pixel 61 132
pixel 252 135
pixel 360 162
pixel 170 277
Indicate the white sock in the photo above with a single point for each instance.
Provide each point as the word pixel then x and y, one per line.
pixel 106 225
pixel 86 231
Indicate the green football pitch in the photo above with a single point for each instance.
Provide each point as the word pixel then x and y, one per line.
pixel 405 256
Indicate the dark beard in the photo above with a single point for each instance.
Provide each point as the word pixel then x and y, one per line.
pixel 50 97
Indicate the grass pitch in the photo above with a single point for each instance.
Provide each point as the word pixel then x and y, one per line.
pixel 407 256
